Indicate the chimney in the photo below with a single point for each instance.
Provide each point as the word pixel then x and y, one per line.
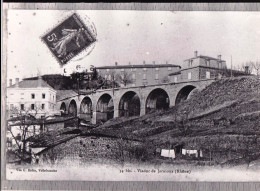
pixel 153 62
pixel 39 81
pixel 196 54
pixel 115 63
pixel 219 57
pixel 144 62
pixel 10 82
pixel 17 82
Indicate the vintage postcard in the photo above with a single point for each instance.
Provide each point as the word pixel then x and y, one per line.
pixel 116 95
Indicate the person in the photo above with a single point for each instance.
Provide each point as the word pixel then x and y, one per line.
pixel 37 159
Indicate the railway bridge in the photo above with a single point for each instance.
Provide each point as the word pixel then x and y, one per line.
pixel 105 104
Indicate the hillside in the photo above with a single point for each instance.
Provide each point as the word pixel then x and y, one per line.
pixel 223 120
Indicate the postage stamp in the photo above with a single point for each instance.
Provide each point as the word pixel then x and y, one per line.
pixel 68 39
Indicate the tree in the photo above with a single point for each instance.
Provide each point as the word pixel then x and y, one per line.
pixel 166 79
pixel 256 66
pixel 110 80
pixel 21 127
pixel 181 120
pixel 124 78
pixel 87 80
pixel 247 67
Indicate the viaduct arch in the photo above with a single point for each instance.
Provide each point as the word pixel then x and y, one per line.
pixel 157 99
pixel 104 108
pixel 63 107
pixel 72 110
pixel 129 104
pixel 184 93
pixel 85 109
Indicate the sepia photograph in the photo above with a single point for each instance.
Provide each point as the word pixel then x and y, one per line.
pixel 126 95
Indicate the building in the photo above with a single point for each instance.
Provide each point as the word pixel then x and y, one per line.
pixel 140 75
pixel 199 67
pixel 31 96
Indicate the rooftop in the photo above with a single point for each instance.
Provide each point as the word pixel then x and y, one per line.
pixel 174 73
pixel 206 57
pixel 138 66
pixel 63 94
pixel 31 84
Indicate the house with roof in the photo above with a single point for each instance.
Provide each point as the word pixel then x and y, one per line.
pixel 140 74
pixel 35 97
pixel 199 67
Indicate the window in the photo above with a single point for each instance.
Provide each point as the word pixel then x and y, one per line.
pixel 133 76
pixel 169 68
pixel 33 96
pixel 11 106
pixel 107 70
pixel 189 75
pixel 208 75
pixel 122 70
pixel 190 63
pixel 144 69
pixel 22 107
pixel 32 106
pixel 105 76
pixel 157 69
pixel 22 93
pixel 175 79
pixel 109 77
pixel 156 76
pixel 53 98
pixel 43 106
pixel 43 96
pixel 144 76
pixel 133 85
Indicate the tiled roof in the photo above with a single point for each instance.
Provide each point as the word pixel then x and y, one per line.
pixel 31 84
pixel 138 66
pixel 63 94
pixel 206 57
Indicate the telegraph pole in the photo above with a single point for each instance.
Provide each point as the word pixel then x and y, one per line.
pixel 231 67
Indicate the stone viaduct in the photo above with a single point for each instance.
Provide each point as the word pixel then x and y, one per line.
pixel 106 104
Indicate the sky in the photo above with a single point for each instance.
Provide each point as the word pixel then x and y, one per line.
pixel 133 36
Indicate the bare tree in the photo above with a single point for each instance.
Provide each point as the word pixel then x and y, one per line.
pixel 166 79
pixel 124 78
pixel 256 66
pixel 110 79
pixel 181 120
pixel 21 126
pixel 247 67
